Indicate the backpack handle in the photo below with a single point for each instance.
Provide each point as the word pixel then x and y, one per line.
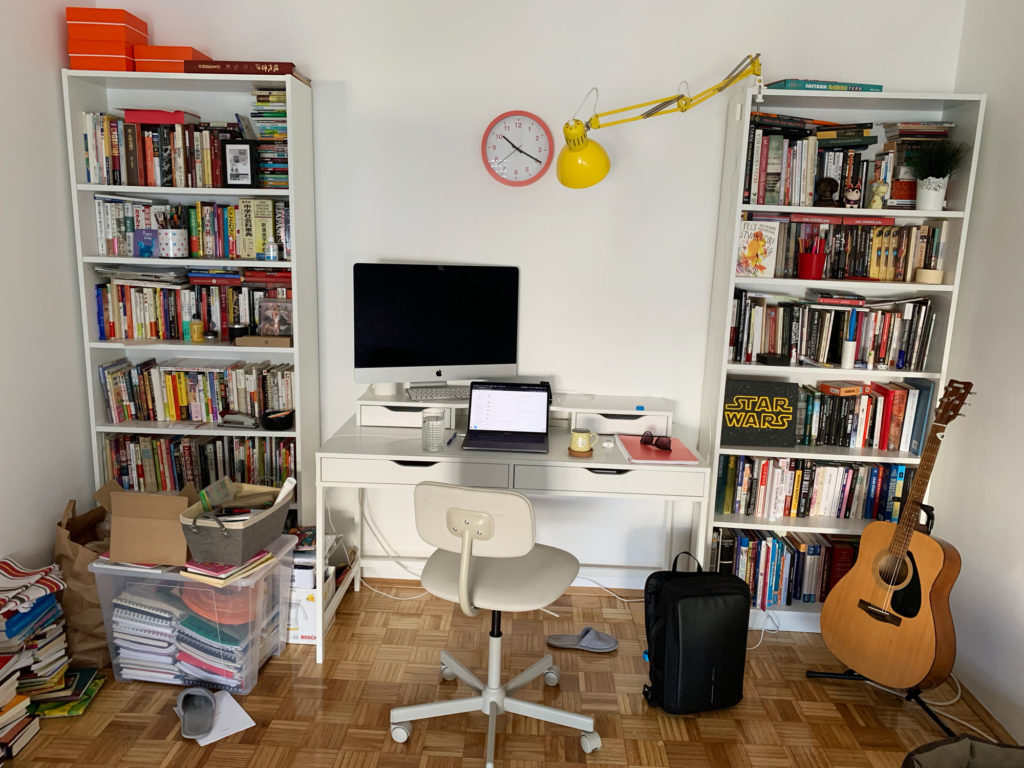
pixel 675 560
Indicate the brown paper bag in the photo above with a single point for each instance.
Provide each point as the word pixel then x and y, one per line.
pixel 87 639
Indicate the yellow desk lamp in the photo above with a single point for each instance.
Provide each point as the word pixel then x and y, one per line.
pixel 582 162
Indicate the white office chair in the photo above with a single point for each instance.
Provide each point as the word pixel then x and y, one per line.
pixel 487 558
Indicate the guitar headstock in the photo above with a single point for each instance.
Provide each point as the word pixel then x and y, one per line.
pixel 953 399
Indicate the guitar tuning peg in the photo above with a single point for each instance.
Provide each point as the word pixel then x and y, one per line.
pixel 972 394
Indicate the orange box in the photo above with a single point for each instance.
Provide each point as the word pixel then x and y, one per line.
pixel 165 58
pixel 105 24
pixel 101 54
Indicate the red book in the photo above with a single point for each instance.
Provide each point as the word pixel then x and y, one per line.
pixel 899 409
pixel 887 394
pixel 811 218
pixel 636 453
pixel 874 221
pixel 245 68
pixel 160 116
pixel 843 388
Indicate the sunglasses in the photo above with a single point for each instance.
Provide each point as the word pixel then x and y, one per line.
pixel 662 442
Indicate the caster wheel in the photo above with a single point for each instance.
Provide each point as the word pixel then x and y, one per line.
pixel 552 676
pixel 590 741
pixel 446 673
pixel 400 732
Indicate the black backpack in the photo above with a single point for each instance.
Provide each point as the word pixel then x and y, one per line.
pixel 697 639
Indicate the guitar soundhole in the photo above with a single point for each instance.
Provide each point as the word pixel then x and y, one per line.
pixel 893 571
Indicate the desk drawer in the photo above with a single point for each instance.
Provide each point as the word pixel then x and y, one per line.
pixel 399 415
pixel 387 472
pixel 636 482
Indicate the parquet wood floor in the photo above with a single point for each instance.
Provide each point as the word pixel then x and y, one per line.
pixel 382 653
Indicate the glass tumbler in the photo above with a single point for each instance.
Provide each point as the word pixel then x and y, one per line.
pixel 432 431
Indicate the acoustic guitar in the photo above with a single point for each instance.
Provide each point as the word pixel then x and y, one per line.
pixel 888 618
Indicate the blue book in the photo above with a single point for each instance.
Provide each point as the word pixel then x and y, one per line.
pixel 869 502
pixel 926 389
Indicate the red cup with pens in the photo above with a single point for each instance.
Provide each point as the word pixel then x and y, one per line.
pixel 811 263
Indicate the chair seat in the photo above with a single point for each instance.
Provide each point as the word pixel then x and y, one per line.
pixel 510 584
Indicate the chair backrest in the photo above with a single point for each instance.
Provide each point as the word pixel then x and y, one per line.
pixel 502 522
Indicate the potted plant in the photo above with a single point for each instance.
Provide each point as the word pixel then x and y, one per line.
pixel 932 163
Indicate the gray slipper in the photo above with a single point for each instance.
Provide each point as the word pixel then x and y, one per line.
pixel 587 640
pixel 195 708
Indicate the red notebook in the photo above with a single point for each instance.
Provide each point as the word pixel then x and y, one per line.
pixel 648 454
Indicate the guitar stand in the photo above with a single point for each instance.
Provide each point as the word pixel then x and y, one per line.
pixel 913 694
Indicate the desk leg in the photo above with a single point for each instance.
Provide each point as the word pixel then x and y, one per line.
pixel 357 534
pixel 318 574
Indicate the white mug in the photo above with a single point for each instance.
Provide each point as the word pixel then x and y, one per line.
pixel 582 440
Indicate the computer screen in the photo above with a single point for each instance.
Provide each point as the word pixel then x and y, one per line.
pixel 434 322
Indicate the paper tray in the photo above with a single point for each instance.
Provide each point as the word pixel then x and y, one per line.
pixel 212 540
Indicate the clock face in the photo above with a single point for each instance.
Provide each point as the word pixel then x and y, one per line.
pixel 516 148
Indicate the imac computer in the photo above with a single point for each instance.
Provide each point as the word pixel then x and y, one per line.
pixel 431 323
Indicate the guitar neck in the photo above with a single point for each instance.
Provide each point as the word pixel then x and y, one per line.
pixel 911 510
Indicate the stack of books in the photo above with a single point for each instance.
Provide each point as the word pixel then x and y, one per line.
pixel 80 688
pixel 269 118
pixel 144 630
pixel 33 648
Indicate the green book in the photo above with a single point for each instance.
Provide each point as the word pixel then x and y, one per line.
pixel 71 708
pixel 822 85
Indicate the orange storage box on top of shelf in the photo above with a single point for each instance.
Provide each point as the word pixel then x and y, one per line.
pixel 165 58
pixel 101 54
pixel 105 24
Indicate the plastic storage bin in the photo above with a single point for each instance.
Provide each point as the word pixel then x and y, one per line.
pixel 163 626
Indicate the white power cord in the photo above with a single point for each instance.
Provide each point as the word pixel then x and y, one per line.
pixel 617 597
pixel 955 699
pixel 764 629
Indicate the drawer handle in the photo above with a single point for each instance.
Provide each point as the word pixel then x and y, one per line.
pixel 405 408
pixel 609 471
pixel 622 416
pixel 413 463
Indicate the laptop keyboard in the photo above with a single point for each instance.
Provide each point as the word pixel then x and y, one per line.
pixel 511 437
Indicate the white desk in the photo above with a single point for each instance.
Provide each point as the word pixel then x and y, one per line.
pixel 383 457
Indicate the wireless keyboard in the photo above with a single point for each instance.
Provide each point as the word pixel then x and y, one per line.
pixel 426 394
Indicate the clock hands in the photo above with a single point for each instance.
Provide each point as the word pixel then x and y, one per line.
pixel 519 149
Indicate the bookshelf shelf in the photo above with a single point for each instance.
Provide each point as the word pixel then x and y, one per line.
pixel 216 99
pixel 966 112
pixel 187 263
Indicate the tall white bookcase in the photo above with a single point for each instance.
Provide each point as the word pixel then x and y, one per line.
pixel 967 111
pixel 213 98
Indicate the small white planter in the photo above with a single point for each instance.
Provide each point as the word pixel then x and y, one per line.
pixel 931 193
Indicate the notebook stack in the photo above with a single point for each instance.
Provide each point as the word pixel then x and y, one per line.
pixel 212 653
pixel 145 621
pixel 269 117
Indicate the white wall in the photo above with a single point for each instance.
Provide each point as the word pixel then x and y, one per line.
pixel 44 454
pixel 975 486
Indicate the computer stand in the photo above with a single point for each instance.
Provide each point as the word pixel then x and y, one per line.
pixel 912 694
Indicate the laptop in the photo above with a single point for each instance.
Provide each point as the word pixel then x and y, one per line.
pixel 507 417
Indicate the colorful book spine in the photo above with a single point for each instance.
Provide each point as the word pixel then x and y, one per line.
pixel 822 85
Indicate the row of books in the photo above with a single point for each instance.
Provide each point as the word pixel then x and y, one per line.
pixel 858 247
pixel 788 156
pixel 777 488
pixel 269 118
pixel 799 567
pixel 887 416
pixel 894 334
pixel 134 150
pixel 165 307
pixel 129 226
pixel 194 390
pixel 156 463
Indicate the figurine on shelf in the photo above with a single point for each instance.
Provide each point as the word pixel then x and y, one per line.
pixel 851 197
pixel 825 189
pixel 878 195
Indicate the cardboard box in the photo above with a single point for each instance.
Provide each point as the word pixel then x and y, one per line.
pixel 113 24
pixel 302 610
pixel 146 527
pixel 101 54
pixel 165 58
pixel 263 341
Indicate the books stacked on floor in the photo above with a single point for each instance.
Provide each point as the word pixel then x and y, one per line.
pixel 269 117
pixel 33 648
pixel 80 688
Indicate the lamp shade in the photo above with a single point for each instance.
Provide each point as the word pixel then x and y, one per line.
pixel 582 162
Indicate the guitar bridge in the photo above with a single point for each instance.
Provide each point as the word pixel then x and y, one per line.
pixel 879 614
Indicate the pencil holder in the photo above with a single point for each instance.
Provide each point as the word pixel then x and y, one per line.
pixel 173 243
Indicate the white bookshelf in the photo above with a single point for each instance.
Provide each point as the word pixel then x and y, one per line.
pixel 214 98
pixel 967 111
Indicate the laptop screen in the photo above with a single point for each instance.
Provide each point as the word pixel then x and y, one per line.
pixel 508 408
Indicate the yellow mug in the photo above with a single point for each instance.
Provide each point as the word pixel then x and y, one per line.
pixel 582 440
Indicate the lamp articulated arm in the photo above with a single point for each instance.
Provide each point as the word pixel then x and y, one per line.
pixel 583 162
pixel 750 65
